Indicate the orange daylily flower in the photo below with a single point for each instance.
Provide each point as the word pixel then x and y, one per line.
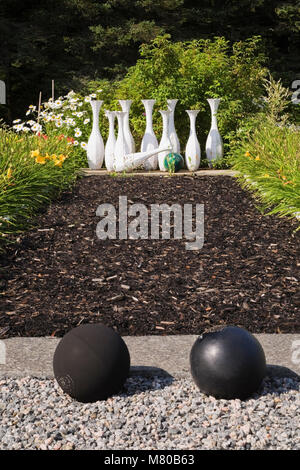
pixel 40 160
pixel 35 153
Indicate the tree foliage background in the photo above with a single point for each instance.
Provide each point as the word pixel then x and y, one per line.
pixel 75 41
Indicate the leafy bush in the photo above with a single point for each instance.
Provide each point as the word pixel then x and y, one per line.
pixel 192 72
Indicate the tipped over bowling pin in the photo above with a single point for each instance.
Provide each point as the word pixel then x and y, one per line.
pixel 134 160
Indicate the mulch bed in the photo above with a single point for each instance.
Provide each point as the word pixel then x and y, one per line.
pixel 60 274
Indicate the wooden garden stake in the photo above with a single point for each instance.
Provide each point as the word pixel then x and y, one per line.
pixel 39 108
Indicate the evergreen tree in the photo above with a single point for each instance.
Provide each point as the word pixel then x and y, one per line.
pixel 74 41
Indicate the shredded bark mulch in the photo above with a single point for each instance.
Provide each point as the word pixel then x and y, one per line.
pixel 60 274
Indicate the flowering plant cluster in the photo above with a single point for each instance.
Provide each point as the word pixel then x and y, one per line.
pixel 34 169
pixel 68 116
pixel 42 159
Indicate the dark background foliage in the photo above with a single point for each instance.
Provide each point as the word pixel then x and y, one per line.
pixel 75 41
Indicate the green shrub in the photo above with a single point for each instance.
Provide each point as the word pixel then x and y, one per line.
pixel 192 72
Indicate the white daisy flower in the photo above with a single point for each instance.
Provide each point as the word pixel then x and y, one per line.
pixel 87 99
pixel 93 95
pixel 86 121
pixel 18 127
pixel 78 132
pixel 70 122
pixel 36 127
pixel 75 143
pixel 59 123
pixel 16 121
pixel 80 104
pixel 83 145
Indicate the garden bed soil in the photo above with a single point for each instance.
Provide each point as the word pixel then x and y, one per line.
pixel 59 274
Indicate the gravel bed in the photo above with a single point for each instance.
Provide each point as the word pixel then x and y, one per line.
pixel 151 413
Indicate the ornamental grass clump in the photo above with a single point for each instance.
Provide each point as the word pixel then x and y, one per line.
pixel 267 156
pixel 33 170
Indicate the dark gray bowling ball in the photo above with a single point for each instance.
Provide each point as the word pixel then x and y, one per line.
pixel 228 363
pixel 91 362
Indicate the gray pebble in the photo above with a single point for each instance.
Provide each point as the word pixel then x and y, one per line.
pixel 150 413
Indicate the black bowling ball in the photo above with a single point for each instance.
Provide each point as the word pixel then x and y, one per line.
pixel 228 363
pixel 91 362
